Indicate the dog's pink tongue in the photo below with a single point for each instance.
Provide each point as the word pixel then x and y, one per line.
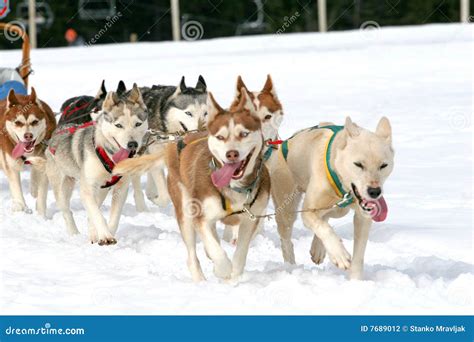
pixel 223 176
pixel 379 209
pixel 19 150
pixel 120 155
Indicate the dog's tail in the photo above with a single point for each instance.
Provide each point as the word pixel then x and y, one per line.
pixel 38 163
pixel 139 165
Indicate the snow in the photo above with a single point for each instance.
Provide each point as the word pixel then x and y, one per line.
pixel 419 261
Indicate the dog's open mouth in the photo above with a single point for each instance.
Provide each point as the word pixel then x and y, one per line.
pixel 185 128
pixel 229 171
pixel 23 147
pixel 239 173
pixel 376 208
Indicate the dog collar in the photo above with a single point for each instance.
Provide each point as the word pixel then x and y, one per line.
pixel 108 165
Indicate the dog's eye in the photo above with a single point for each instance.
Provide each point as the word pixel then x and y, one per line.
pixel 359 165
pixel 220 137
pixel 244 134
pixel 205 114
pixel 383 166
pixel 34 122
pixel 188 113
pixel 268 117
pixel 138 124
pixel 118 126
pixel 19 123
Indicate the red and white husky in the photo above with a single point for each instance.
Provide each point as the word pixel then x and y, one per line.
pixel 25 122
pixel 219 176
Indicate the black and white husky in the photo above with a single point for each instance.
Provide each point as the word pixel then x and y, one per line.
pixel 82 109
pixel 172 109
pixel 88 153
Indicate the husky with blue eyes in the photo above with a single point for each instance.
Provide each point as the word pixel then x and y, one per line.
pixel 88 153
pixel 172 109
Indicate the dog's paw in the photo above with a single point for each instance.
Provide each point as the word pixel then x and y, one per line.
pixel 223 268
pixel 318 251
pixel 107 241
pixel 141 208
pixel 161 201
pixel 21 207
pixel 337 252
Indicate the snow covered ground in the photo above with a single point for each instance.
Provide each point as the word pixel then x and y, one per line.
pixel 419 261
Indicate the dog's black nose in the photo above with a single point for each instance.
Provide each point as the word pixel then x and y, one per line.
pixel 28 136
pixel 132 145
pixel 374 192
pixel 232 156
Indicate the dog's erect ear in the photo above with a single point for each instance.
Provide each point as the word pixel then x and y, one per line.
pixel 34 98
pixel 268 87
pixel 201 84
pixel 102 91
pixel 384 129
pixel 246 102
pixel 213 108
pixel 351 128
pixel 239 86
pixel 182 85
pixel 110 101
pixel 11 99
pixel 136 95
pixel 121 88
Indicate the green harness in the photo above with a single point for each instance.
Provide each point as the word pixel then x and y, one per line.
pixel 346 197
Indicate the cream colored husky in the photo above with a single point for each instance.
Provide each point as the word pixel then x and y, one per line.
pixel 339 168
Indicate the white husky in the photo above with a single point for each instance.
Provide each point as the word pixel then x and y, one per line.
pixel 338 168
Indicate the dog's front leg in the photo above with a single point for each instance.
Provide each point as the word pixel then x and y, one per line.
pixel 34 182
pixel 119 196
pixel 14 182
pixel 362 225
pixel 151 190
pixel 222 264
pixel 140 204
pixel 42 193
pixel 247 229
pixel 159 178
pixel 333 244
pixel 93 211
pixel 100 195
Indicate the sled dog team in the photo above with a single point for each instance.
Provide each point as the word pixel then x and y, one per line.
pixel 214 164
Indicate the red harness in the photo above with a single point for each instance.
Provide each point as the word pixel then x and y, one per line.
pixel 68 111
pixel 99 151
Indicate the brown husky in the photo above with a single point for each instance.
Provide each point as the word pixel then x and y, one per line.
pixel 216 177
pixel 25 122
